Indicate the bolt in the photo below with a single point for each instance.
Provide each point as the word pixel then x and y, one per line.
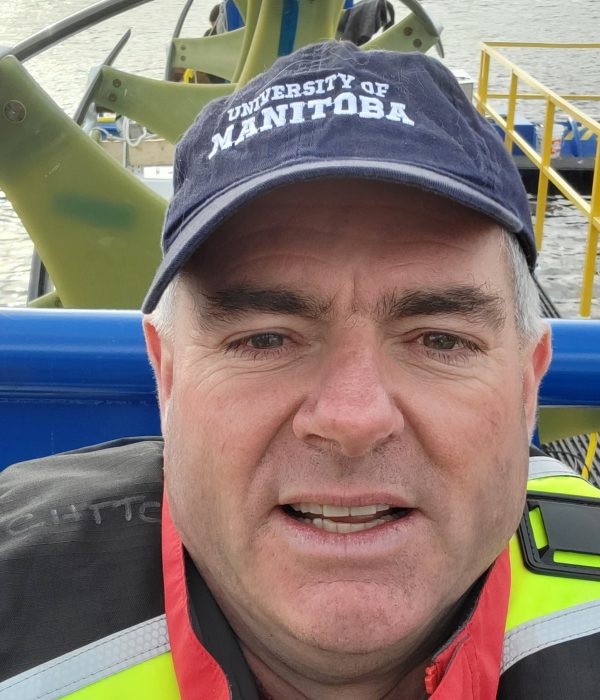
pixel 408 31
pixel 116 82
pixel 183 47
pixel 14 111
pixel 112 97
pixel 417 43
pixel 182 58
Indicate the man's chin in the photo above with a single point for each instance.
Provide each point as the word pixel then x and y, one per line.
pixel 353 618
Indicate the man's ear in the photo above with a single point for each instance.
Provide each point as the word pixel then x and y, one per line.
pixel 536 362
pixel 160 352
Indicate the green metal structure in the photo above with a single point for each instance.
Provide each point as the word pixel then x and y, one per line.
pixel 93 223
pixel 95 226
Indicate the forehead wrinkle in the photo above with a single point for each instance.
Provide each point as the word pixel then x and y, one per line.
pixel 474 303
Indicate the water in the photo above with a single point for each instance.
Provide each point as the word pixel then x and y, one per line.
pixel 63 71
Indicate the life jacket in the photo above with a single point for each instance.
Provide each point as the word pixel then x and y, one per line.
pixel 553 621
pixel 552 639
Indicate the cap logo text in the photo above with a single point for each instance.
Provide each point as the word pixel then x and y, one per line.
pixel 365 100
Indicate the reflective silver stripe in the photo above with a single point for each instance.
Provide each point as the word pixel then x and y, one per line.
pixel 540 467
pixel 89 664
pixel 561 626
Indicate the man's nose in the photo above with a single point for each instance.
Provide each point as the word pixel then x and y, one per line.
pixel 351 408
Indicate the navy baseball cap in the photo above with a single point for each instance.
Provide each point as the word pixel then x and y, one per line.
pixel 333 110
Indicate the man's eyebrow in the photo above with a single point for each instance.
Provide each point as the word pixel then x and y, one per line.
pixel 232 302
pixel 473 303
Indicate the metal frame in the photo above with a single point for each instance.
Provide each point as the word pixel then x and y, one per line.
pixel 547 174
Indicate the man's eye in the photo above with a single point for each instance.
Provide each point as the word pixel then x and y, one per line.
pixel 267 345
pixel 265 341
pixel 442 341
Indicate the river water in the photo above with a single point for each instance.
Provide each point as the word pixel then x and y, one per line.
pixel 63 71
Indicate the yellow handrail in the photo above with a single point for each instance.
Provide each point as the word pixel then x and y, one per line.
pixel 589 456
pixel 533 96
pixel 554 101
pixel 542 44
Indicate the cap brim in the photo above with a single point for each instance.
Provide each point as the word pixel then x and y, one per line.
pixel 202 222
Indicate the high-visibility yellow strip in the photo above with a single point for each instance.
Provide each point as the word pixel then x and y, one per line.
pixel 152 680
pixel 564 623
pixel 577 559
pixel 534 595
pixel 538 529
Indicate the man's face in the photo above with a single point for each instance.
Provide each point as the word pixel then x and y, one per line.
pixel 346 412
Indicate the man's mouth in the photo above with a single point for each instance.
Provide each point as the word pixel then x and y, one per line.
pixel 344 519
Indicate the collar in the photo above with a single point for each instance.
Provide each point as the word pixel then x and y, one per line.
pixel 466 667
pixel 199 676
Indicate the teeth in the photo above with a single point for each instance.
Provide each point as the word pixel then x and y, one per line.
pixel 346 528
pixel 313 508
pixel 335 511
pixel 363 510
pixel 330 511
pixel 329 525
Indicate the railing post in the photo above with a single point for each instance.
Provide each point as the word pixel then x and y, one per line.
pixel 542 193
pixel 510 114
pixel 591 252
pixel 484 71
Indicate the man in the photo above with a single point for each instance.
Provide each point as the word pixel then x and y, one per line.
pixel 347 346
